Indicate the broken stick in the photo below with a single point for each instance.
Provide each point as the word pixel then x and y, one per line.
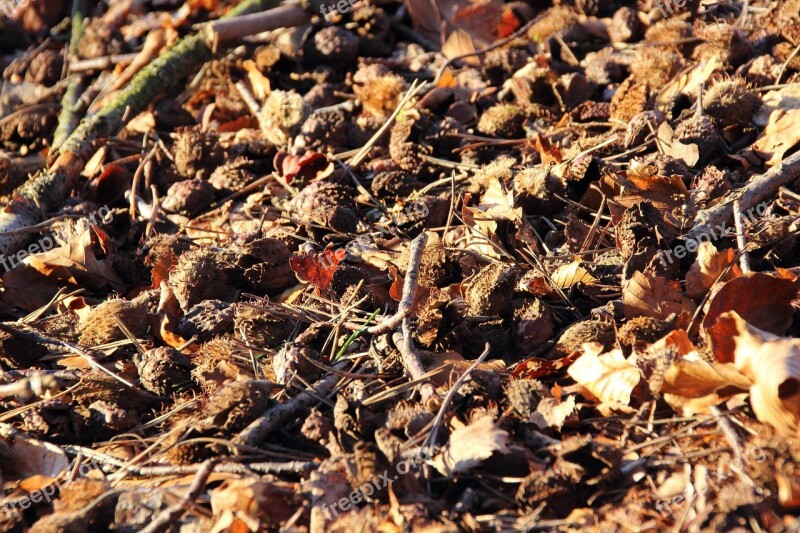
pixel 757 190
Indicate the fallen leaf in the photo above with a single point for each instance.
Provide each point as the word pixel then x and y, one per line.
pixel 761 299
pixel 708 267
pixel 610 378
pixel 470 445
pixel 672 147
pixel 552 413
pixel 655 297
pixel 773 365
pixel 27 457
pixel 779 116
pixel 317 268
pixel 535 367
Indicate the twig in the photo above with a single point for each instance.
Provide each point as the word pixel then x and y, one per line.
pixel 68 119
pixel 268 467
pixel 233 29
pixel 759 189
pixel 410 285
pixel 280 414
pixel 741 241
pixel 437 422
pixel 172 513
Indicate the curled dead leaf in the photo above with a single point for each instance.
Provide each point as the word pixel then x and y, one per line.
pixel 708 267
pixel 470 445
pixel 655 297
pixel 609 377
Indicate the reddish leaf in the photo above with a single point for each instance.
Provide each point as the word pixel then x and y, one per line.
pixel 317 269
pixel 307 167
pixel 535 367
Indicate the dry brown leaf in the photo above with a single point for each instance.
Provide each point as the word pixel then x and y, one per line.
pixel 654 297
pixel 773 364
pixel 250 502
pixel 564 277
pixel 668 144
pixel 779 116
pixel 455 365
pixel 609 378
pixel 27 457
pixel 470 445
pixel 688 83
pixel 761 299
pixel 707 268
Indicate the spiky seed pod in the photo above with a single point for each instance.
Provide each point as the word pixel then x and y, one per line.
pixel 197 153
pixel 327 204
pixel 378 88
pixel 44 67
pixel 630 99
pixel 206 320
pixel 669 31
pixel 100 39
pixel 232 176
pixel 162 370
pixel 499 64
pixel 536 189
pixel 625 26
pixel 285 113
pixel 489 291
pixel 326 130
pixel 262 329
pixel 335 46
pixel 656 66
pixel 235 405
pixel 731 102
pixel 533 325
pixel 503 120
pixel 189 197
pixel 100 326
pixel 725 41
pixel 266 264
pixel 577 334
pixel 702 131
pixel 394 183
pixel 557 18
pixel 525 394
pixel 215 362
pixel 201 275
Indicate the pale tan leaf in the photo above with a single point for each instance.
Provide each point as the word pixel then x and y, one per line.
pixel 552 412
pixel 779 115
pixel 773 364
pixel 470 445
pixel 566 276
pixel 31 457
pixel 608 377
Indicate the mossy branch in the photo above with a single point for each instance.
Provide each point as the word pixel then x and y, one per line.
pixel 68 117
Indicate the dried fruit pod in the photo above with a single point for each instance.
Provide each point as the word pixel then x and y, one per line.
pixel 533 325
pixel 577 334
pixel 215 363
pixel 642 329
pixel 373 26
pixel 326 204
pixel 285 113
pixel 536 190
pixel 702 131
pixel 189 197
pixel 525 394
pixel 206 320
pixel 327 130
pixel 334 45
pixel 378 88
pixel 43 66
pixel 489 292
pixel 724 41
pixel 266 264
pixel 656 66
pixel 235 405
pixel 630 99
pixel 405 145
pixel 668 31
pixel 100 39
pixel 499 64
pixel 554 19
pixel 197 153
pixel 503 120
pixel 106 419
pixel 261 328
pixel 100 326
pixel 731 102
pixel 232 176
pixel 162 370
pixel 394 183
pixel 597 8
pixel 201 275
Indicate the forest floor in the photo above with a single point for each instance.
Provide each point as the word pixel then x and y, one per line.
pixel 423 266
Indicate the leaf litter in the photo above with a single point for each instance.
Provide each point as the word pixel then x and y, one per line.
pixel 444 265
